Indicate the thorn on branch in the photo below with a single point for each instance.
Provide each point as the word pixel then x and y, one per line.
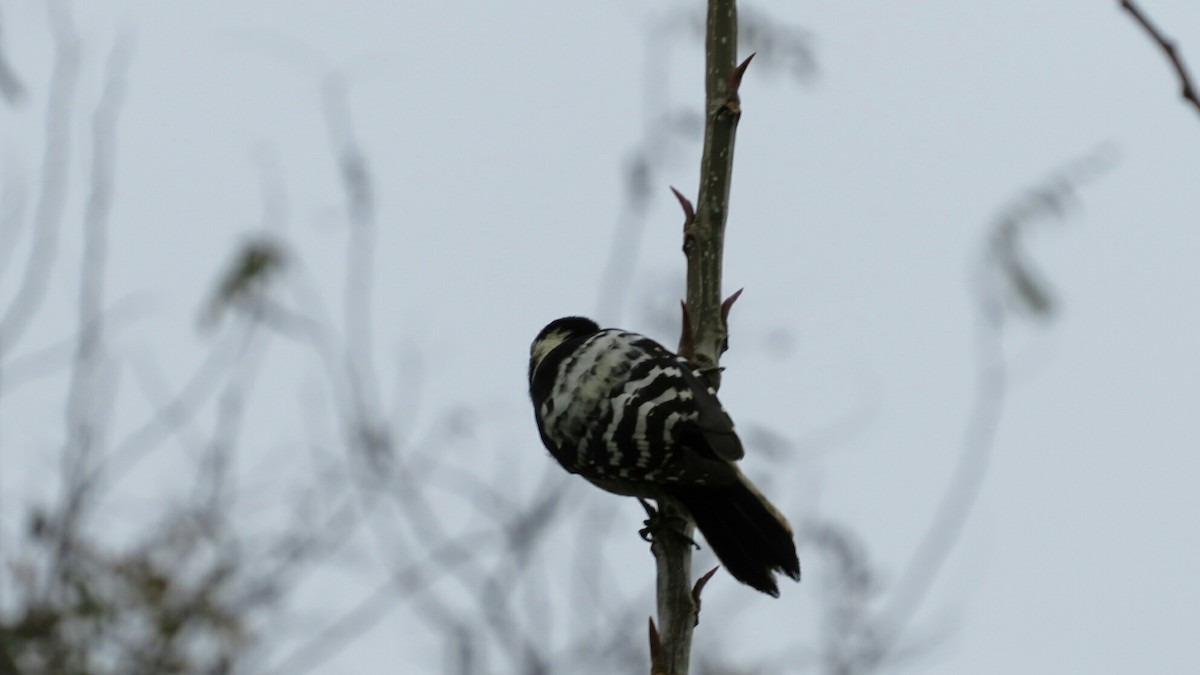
pixel 689 212
pixel 699 587
pixel 689 217
pixel 725 307
pixel 728 304
pixel 657 667
pixel 735 78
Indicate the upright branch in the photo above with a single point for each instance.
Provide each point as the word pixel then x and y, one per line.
pixel 1187 88
pixel 704 331
pixel 704 235
pixel 87 405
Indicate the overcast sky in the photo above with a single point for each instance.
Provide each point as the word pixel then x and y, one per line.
pixel 498 135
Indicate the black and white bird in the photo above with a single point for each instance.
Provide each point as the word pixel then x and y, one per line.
pixel 633 418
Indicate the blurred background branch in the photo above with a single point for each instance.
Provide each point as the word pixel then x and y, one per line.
pixel 1187 89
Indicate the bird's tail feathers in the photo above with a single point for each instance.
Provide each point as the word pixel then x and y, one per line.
pixel 747 533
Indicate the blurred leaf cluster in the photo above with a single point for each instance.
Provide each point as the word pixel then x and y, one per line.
pixel 172 603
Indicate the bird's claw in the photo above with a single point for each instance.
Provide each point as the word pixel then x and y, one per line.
pixel 657 524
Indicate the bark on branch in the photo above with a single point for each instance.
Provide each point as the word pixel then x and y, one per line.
pixel 704 330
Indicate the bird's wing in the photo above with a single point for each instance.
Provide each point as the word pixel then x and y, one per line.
pixel 714 424
pixel 709 432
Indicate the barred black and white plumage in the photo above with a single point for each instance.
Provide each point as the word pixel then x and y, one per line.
pixel 633 418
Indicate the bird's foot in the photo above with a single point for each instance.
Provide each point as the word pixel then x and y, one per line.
pixel 658 525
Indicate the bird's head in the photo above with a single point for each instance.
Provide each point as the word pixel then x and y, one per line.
pixel 554 334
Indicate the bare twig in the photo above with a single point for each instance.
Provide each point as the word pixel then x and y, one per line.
pixel 55 163
pixel 411 580
pixel 705 334
pixel 85 400
pixel 704 239
pixel 86 406
pixel 12 212
pixel 57 356
pixel 961 494
pixel 358 185
pixel 1187 88
pixel 11 87
pixel 174 411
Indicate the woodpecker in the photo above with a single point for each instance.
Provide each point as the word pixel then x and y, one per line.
pixel 633 418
